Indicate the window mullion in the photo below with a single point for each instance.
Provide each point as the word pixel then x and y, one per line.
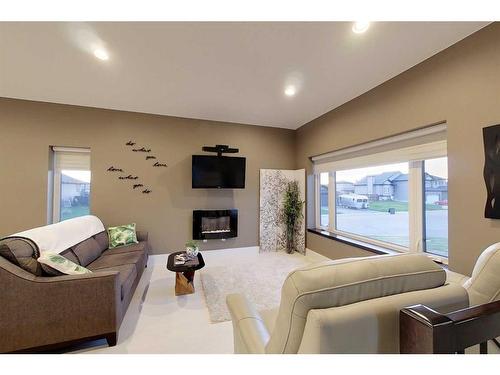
pixel 415 206
pixel 317 203
pixel 56 196
pixel 331 201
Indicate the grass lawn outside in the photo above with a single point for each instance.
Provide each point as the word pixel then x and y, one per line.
pixel 383 206
pixel 75 211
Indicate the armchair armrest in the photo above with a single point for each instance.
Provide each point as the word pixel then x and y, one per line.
pixel 455 278
pixel 250 332
pixel 424 330
pixel 43 311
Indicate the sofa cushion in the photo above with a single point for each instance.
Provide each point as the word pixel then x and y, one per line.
pixel 140 246
pixel 87 251
pixel 70 255
pixel 113 260
pixel 49 271
pixel 127 276
pixel 22 252
pixel 102 239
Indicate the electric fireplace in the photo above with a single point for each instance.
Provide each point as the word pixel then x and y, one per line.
pixel 215 224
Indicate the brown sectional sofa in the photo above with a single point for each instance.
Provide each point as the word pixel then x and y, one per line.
pixel 40 313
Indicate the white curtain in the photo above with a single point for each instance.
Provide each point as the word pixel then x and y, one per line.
pixel 72 158
pixel 425 143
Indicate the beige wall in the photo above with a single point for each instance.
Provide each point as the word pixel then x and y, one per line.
pixel 460 85
pixel 27 129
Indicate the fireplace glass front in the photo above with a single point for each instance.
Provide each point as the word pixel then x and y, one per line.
pixel 214 224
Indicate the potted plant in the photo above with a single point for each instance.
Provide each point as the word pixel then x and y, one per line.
pixel 192 248
pixel 291 214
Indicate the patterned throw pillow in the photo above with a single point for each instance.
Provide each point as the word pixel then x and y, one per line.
pixel 122 235
pixel 55 264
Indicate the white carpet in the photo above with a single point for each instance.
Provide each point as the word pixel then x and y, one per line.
pixel 260 281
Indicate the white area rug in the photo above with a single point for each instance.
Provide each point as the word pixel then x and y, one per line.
pixel 260 281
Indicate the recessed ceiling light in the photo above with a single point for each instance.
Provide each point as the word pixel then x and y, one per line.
pixel 360 27
pixel 101 54
pixel 290 90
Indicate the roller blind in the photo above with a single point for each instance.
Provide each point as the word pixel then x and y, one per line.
pixel 71 158
pixel 421 144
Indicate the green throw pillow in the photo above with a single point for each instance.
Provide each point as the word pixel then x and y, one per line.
pixel 122 235
pixel 60 264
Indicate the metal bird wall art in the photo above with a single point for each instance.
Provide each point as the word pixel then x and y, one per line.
pixel 113 169
pixel 138 186
pixel 129 177
pixel 142 149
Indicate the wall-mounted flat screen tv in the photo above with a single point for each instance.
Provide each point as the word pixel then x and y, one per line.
pixel 218 172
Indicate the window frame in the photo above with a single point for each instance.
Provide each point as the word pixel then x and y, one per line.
pixel 56 181
pixel 416 207
pixel 318 201
pixel 332 223
pixel 424 224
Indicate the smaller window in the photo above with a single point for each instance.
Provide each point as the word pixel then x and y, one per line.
pixel 71 185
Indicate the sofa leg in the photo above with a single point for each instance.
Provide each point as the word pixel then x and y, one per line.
pixel 112 338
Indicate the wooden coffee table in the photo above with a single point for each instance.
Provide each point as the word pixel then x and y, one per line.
pixel 184 274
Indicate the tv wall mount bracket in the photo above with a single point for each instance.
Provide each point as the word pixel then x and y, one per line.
pixel 220 149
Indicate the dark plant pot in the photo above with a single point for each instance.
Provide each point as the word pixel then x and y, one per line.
pixel 290 239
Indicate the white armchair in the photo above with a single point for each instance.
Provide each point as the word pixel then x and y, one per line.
pixel 352 305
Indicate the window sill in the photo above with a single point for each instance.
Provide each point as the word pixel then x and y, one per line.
pixel 379 250
pixel 349 241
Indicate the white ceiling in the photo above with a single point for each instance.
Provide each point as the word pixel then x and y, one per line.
pixel 233 72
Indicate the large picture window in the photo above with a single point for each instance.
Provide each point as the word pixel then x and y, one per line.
pixel 396 197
